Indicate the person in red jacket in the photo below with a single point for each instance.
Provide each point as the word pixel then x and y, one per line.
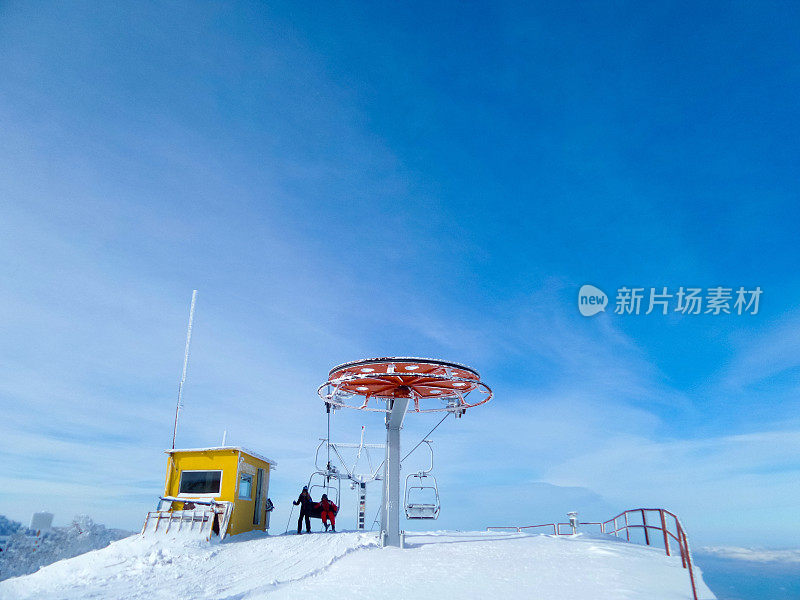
pixel 328 511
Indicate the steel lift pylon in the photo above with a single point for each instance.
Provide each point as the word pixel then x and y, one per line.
pixel 390 508
pixel 395 383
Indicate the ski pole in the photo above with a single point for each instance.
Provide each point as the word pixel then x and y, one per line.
pixel 291 512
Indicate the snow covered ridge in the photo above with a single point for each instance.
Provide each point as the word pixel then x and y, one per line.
pixel 346 565
pixel 181 566
pixel 753 554
pixel 23 552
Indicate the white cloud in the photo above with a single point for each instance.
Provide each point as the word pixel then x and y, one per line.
pixel 753 554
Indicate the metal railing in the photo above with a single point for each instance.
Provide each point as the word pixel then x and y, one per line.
pixel 666 523
pixel 213 513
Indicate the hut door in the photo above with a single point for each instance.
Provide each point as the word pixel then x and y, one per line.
pixel 259 500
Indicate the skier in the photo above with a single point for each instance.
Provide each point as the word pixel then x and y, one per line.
pixel 328 511
pixel 305 502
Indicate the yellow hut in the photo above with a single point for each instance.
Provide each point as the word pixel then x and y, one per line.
pixel 221 490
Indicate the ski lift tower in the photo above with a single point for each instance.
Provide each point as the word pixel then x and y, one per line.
pixel 427 384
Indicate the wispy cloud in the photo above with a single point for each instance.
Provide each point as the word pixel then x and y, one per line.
pixel 754 554
pixel 770 356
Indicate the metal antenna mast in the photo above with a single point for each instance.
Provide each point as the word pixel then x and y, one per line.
pixel 178 405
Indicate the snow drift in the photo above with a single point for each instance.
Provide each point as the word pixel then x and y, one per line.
pixel 24 552
pixel 347 565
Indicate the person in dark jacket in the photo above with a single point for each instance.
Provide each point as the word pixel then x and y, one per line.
pixel 305 502
pixel 328 510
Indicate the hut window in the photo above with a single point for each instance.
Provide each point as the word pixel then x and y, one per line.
pixel 200 482
pixel 246 486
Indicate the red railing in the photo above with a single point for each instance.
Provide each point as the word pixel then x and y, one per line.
pixel 628 522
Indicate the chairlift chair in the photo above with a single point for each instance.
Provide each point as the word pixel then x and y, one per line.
pixel 322 479
pixel 418 501
pixel 321 482
pixel 422 510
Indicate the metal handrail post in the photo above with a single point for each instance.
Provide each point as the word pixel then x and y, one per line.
pixel 627 529
pixel 664 529
pixel 689 565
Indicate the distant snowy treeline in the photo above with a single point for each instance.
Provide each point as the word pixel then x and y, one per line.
pixel 23 552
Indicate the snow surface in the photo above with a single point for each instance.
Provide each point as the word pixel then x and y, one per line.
pixel 347 565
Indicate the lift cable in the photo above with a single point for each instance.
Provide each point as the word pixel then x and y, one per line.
pixel 418 444
pixel 328 407
pixel 426 436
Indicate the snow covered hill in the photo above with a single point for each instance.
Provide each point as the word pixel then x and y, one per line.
pixel 346 565
pixel 24 552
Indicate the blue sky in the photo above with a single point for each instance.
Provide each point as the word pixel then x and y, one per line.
pixel 355 180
